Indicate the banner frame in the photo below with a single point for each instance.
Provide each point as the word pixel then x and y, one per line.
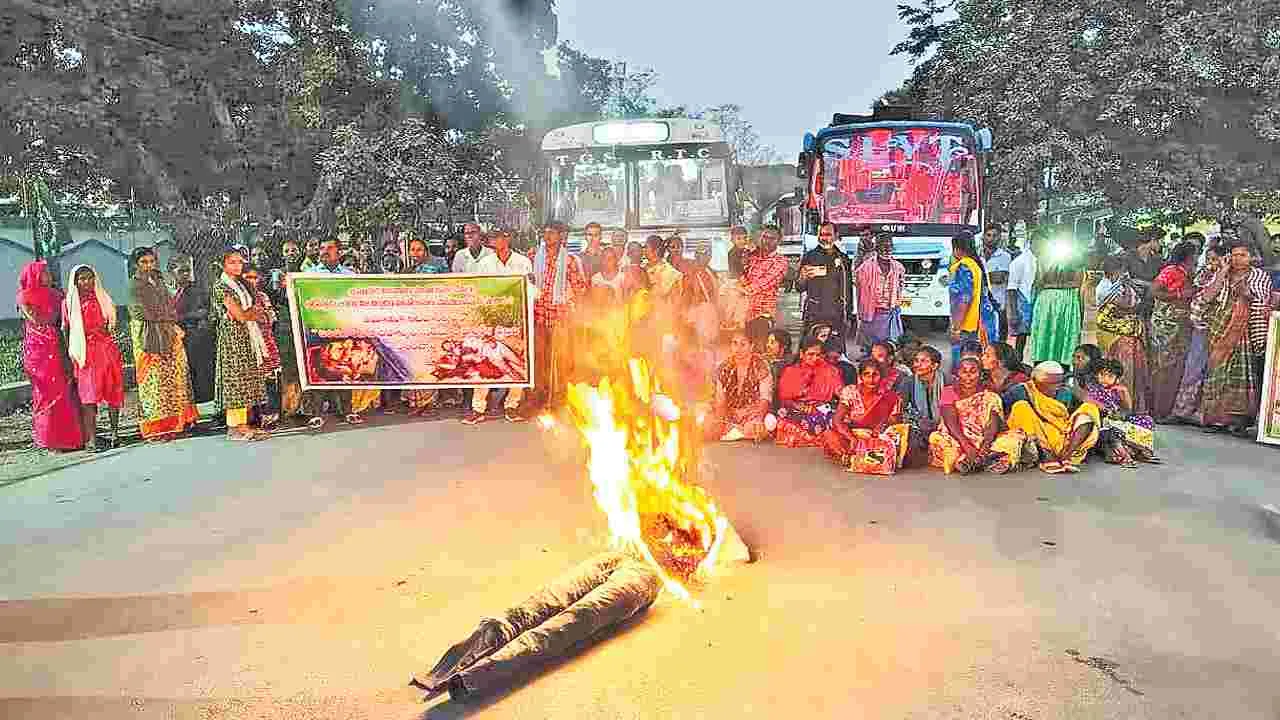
pixel 1267 408
pixel 295 317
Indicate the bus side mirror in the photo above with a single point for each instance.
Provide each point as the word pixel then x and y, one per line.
pixel 802 165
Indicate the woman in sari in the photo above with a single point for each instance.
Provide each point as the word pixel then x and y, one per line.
pixel 807 391
pixel 1186 407
pixel 1001 369
pixel 1238 301
pixel 893 376
pixel 159 358
pixel 1048 413
pixel 55 420
pixel 973 435
pixel 1118 315
pixel 743 394
pixel 867 433
pixel 90 317
pixel 1058 316
pixel 1171 328
pixel 242 349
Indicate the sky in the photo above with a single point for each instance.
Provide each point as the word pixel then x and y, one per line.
pixel 789 69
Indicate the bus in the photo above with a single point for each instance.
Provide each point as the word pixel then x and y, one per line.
pixel 649 176
pixel 920 180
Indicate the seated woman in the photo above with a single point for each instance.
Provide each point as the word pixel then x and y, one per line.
pixel 1047 412
pixel 973 435
pixel 834 351
pixel 807 391
pixel 1125 438
pixel 1001 368
pixel 867 433
pixel 743 394
pixel 893 376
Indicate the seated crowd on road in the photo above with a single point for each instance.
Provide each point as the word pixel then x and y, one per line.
pixel 1179 339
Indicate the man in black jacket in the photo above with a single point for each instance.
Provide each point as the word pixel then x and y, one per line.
pixel 826 279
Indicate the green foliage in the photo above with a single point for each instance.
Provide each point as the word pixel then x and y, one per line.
pixel 495 316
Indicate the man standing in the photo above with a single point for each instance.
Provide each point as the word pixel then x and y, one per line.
pixel 763 278
pixel 997 261
pixel 503 261
pixel 593 253
pixel 738 252
pixel 826 280
pixel 558 277
pixel 339 401
pixel 1019 291
pixel 312 257
pixel 881 280
pixel 468 258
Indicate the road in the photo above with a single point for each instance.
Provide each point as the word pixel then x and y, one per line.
pixel 310 575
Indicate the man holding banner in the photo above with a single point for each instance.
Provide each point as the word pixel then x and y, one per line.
pixel 503 261
pixel 339 401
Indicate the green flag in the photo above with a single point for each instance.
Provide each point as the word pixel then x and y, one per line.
pixel 37 204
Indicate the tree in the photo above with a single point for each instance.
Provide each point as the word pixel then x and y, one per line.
pixel 631 97
pixel 1157 104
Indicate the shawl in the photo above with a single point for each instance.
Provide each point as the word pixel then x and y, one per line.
pixel 41 298
pixel 928 399
pixel 256 340
pixel 159 317
pixel 874 417
pixel 871 280
pixel 560 285
pixel 77 344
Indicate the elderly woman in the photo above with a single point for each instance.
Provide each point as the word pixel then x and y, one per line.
pixel 973 435
pixel 1048 413
pixel 159 357
pixel 743 394
pixel 1118 317
pixel 238 377
pixel 807 391
pixel 867 433
pixel 90 317
pixel 1238 303
pixel 1186 406
pixel 1170 339
pixel 55 424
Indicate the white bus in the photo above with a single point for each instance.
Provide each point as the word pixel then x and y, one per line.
pixel 650 176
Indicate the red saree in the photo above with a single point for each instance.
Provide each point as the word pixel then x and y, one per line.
pixel 55 413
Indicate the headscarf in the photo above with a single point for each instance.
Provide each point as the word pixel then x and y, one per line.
pixel 256 340
pixel 77 344
pixel 1047 368
pixel 159 315
pixel 42 298
pixel 559 286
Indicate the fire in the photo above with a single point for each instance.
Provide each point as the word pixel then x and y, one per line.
pixel 643 454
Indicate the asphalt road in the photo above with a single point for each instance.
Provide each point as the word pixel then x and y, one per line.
pixel 309 576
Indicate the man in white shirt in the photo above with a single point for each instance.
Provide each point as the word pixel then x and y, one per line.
pixel 502 260
pixel 467 260
pixel 1018 295
pixel 997 260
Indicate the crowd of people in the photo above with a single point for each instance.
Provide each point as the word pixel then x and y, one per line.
pixel 1179 339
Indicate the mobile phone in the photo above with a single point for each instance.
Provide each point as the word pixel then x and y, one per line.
pixel 817 270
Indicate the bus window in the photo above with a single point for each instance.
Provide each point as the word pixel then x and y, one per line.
pixel 682 191
pixel 586 193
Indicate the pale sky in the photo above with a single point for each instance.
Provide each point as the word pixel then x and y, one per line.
pixel 789 67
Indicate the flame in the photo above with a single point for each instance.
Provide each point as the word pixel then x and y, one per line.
pixel 641 453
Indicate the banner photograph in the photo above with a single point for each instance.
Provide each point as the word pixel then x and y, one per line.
pixel 391 332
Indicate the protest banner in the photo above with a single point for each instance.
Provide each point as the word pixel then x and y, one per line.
pixel 1269 413
pixel 394 332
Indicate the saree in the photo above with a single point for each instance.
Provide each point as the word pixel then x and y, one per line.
pixel 238 378
pixel 1117 314
pixel 975 413
pixel 1048 421
pixel 806 395
pixel 164 380
pixel 55 412
pixel 1120 440
pixel 1055 325
pixel 737 393
pixel 1231 390
pixel 1170 340
pixel 876 444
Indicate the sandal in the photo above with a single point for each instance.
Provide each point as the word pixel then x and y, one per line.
pixel 315 423
pixel 1053 467
pixel 354 419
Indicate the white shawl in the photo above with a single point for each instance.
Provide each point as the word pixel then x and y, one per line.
pixel 256 340
pixel 75 319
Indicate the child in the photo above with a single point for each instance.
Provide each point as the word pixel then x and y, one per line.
pixel 1125 438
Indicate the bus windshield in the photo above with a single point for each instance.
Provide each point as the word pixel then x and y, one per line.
pixel 901 175
pixel 589 192
pixel 685 191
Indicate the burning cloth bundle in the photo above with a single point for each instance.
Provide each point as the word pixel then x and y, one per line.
pixel 576 607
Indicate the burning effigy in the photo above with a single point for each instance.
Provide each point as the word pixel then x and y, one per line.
pixel 666 532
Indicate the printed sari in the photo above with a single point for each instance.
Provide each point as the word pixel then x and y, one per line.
pixel 975 413
pixel 1170 339
pixel 55 411
pixel 1118 315
pixel 806 395
pixel 159 360
pixel 1048 421
pixel 877 440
